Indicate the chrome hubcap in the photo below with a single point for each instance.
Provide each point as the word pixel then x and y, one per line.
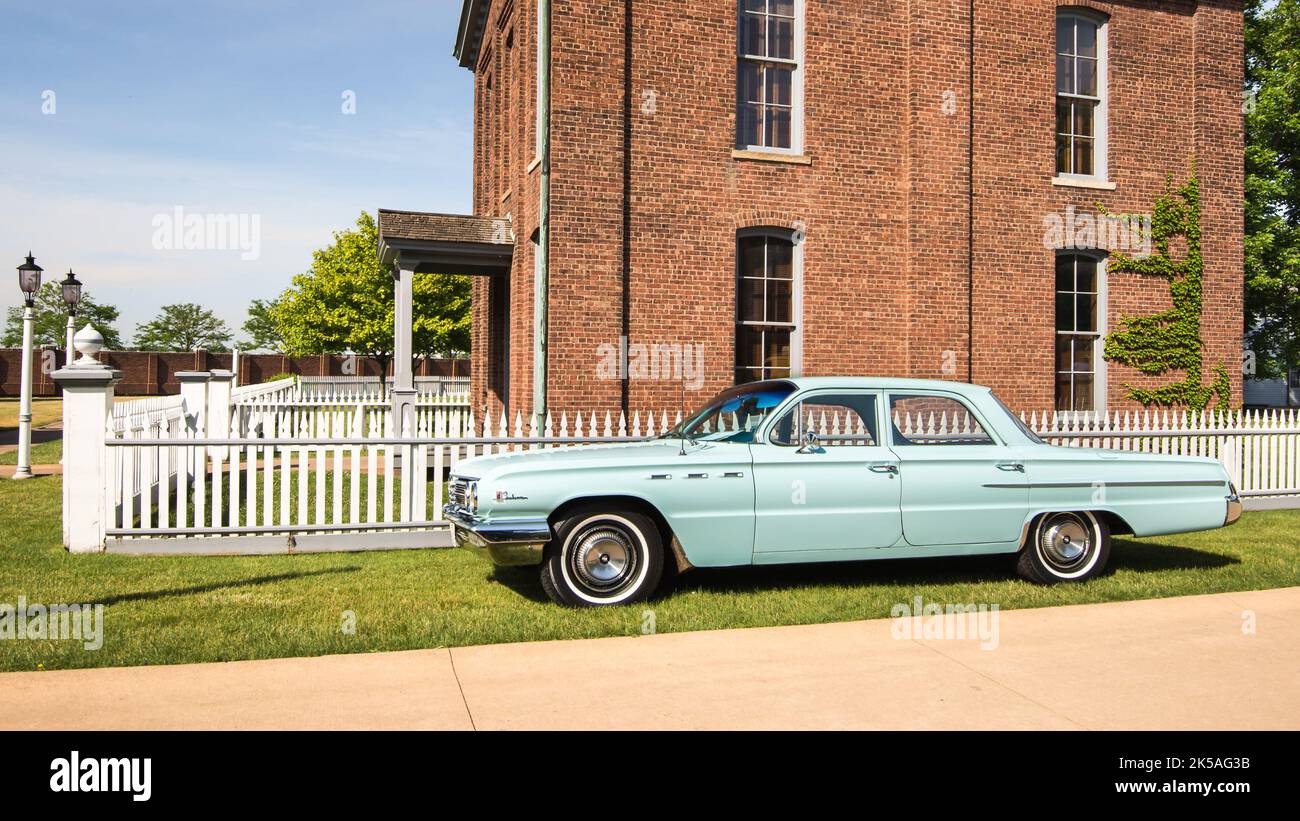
pixel 603 557
pixel 1066 540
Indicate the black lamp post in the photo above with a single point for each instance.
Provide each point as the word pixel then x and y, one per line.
pixel 71 292
pixel 29 280
pixel 71 298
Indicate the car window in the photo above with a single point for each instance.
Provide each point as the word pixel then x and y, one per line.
pixel 838 420
pixel 734 414
pixel 934 420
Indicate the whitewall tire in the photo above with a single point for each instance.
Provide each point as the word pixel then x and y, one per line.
pixel 1067 546
pixel 601 557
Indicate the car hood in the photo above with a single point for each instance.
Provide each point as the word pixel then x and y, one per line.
pixel 577 456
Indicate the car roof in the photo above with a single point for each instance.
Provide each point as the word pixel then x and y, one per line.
pixel 804 382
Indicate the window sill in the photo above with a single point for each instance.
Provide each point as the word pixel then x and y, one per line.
pixel 506 195
pixel 1072 182
pixel 771 156
pixel 536 162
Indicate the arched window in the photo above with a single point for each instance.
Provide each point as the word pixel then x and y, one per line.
pixel 1080 317
pixel 1081 101
pixel 768 278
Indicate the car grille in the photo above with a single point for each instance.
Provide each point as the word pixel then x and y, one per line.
pixel 456 492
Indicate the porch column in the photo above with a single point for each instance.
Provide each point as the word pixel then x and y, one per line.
pixel 403 397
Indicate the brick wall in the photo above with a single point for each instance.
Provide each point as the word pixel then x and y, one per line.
pixel 882 190
pixel 146 373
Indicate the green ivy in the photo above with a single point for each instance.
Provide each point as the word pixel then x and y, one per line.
pixel 1169 340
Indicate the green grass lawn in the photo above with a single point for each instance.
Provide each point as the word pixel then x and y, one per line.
pixel 44 411
pixel 167 610
pixel 43 453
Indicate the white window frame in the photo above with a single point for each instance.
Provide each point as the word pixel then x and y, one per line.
pixel 796 83
pixel 1101 111
pixel 538 125
pixel 1099 341
pixel 796 293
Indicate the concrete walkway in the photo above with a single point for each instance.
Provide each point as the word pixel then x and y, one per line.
pixel 1181 663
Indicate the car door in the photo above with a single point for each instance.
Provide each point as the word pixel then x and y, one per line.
pixel 841 493
pixel 960 485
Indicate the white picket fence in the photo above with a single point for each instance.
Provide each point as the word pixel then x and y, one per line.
pixel 279 390
pixel 142 415
pixel 310 473
pixel 349 480
pixel 331 387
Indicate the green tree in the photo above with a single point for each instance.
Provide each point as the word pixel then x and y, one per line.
pixel 344 302
pixel 183 327
pixel 51 325
pixel 1272 241
pixel 260 328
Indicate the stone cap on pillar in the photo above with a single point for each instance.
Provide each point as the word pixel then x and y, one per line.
pixel 221 375
pixel 86 371
pixel 192 376
pixel 80 376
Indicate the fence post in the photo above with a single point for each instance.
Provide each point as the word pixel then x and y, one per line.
pixel 87 405
pixel 218 412
pixel 194 396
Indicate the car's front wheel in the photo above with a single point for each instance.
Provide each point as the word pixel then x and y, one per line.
pixel 602 556
pixel 1065 547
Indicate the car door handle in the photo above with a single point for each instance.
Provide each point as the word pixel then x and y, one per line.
pixel 883 467
pixel 1011 466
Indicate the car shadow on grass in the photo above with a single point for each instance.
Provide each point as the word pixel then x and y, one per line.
pixel 1126 555
pixel 152 595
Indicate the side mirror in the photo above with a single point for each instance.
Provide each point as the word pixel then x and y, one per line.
pixel 809 442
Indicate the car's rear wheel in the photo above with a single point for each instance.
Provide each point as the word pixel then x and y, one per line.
pixel 602 556
pixel 1070 546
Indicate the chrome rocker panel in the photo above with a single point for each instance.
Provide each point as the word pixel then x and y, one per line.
pixel 512 544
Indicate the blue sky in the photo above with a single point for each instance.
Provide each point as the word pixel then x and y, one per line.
pixel 223 108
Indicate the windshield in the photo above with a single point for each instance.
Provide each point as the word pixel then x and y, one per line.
pixel 734 414
pixel 1015 420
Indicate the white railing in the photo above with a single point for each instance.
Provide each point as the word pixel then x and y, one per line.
pixel 144 415
pixel 372 389
pixel 1259 449
pixel 264 391
pixel 349 476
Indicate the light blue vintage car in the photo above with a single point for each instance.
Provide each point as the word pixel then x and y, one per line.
pixel 819 470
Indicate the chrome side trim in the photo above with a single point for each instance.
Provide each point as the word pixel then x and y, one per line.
pixel 1158 483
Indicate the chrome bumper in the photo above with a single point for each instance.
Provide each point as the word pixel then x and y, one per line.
pixel 513 543
pixel 1234 506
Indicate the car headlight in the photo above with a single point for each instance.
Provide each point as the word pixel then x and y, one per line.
pixel 471 497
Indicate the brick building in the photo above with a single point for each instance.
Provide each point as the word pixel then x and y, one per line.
pixel 759 187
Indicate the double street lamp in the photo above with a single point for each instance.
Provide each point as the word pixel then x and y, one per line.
pixel 29 281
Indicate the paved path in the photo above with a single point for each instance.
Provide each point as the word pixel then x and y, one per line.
pixel 1168 663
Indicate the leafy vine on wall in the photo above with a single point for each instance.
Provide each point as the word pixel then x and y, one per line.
pixel 1170 340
